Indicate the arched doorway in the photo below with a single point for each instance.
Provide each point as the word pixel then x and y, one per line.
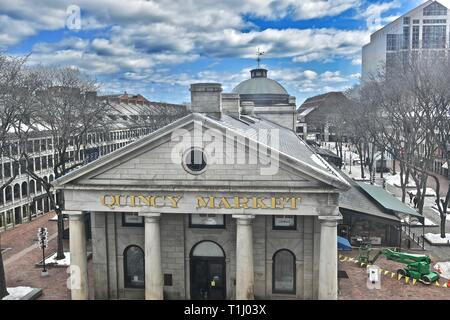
pixel 207 268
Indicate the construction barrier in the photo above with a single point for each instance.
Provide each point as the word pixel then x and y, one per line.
pixel 399 277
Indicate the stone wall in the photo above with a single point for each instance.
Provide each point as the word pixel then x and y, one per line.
pixel 110 239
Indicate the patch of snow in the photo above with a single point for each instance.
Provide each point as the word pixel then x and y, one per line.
pixel 17 293
pixel 51 261
pixel 435 210
pixel 54 218
pixel 435 238
pixel 415 222
pixel 395 181
pixel 429 192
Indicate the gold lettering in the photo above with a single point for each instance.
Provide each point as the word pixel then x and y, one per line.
pixel 174 200
pixel 224 203
pixel 132 201
pixel 144 200
pixel 111 204
pixel 294 203
pixel 258 203
pixel 240 202
pixel 156 205
pixel 201 203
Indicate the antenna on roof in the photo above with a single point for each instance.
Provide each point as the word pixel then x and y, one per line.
pixel 258 56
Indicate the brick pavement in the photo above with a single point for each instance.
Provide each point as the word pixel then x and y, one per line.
pixel 354 288
pixel 21 258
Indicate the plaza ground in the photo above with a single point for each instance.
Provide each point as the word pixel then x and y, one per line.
pixel 354 287
pixel 22 252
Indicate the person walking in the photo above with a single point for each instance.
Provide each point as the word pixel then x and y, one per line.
pixel 411 196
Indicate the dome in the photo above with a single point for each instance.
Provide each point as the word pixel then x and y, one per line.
pixel 260 84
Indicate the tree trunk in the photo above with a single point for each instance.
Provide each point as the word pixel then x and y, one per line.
pixel 402 182
pixel 3 291
pixel 60 250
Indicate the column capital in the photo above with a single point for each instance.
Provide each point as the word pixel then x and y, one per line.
pixel 74 215
pixel 243 219
pixel 330 221
pixel 150 217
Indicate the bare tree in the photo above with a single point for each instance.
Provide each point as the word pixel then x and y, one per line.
pixel 18 89
pixel 409 116
pixel 68 111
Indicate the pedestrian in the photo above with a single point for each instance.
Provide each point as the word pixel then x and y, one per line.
pixel 411 195
pixel 415 202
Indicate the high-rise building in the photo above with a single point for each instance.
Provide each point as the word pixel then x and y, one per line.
pixel 425 28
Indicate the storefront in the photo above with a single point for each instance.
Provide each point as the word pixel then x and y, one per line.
pixel 184 229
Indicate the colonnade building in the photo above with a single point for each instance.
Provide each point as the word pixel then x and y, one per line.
pixel 221 204
pixel 25 198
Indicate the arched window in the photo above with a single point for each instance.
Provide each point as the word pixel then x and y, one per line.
pixel 133 260
pixel 283 277
pixel 32 187
pixel 207 249
pixel 8 194
pixel 50 178
pixel 16 191
pixel 24 189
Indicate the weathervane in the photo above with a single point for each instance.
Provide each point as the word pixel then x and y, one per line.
pixel 259 54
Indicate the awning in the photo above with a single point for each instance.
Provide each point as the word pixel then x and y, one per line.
pixel 387 201
pixel 343 244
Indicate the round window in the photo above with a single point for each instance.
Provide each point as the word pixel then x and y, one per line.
pixel 195 160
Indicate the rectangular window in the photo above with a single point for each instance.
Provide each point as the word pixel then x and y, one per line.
pixel 50 161
pixel 37 164
pixel 434 21
pixel 415 37
pixel 49 144
pixel 23 166
pixel 7 169
pixel 284 223
pixel 416 21
pixel 36 146
pixel 434 37
pixel 406 20
pixel 44 163
pixel 435 9
pixel 132 219
pixel 215 221
pixel 406 36
pixel 392 42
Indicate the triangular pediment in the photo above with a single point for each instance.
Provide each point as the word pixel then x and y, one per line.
pixel 151 162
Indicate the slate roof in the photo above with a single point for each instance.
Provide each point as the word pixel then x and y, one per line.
pixel 291 146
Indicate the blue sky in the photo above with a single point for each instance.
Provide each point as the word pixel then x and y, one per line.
pixel 158 47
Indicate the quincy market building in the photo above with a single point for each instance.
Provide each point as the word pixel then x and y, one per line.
pixel 185 229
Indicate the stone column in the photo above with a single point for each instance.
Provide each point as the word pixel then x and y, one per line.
pixel 328 265
pixel 78 256
pixel 153 267
pixel 244 257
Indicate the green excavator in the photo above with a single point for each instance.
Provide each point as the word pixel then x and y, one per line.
pixel 417 265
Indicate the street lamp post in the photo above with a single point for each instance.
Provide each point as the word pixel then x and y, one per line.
pixel 43 243
pixel 350 171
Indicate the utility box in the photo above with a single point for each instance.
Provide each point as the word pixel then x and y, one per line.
pixel 373 277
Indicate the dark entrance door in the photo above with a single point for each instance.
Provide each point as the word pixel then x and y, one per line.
pixel 208 278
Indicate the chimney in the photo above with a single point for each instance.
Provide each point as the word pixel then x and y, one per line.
pixel 230 103
pixel 248 108
pixel 207 98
